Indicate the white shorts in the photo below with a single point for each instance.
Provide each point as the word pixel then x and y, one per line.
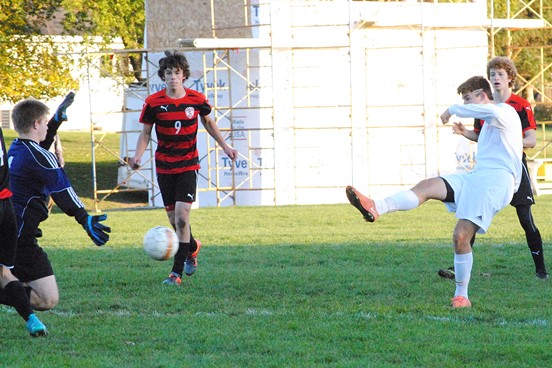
pixel 478 196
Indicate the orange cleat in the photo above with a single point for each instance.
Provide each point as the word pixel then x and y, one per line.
pixel 365 205
pixel 190 265
pixel 460 302
pixel 173 279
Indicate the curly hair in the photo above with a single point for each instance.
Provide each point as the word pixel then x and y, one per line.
pixel 173 60
pixel 502 62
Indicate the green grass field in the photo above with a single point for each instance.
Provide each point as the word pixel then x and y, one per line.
pixel 291 286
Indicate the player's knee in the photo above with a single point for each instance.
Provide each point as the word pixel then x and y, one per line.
pixel 180 222
pixel 462 242
pixel 46 302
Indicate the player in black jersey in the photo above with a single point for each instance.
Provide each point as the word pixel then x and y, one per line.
pixel 12 291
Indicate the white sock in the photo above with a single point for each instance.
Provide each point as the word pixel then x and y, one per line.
pixel 462 270
pixel 401 201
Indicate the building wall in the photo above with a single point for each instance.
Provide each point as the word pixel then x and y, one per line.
pixel 351 93
pixel 169 20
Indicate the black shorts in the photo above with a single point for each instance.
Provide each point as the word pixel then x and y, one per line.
pixel 177 188
pixel 8 233
pixel 524 194
pixel 31 263
pixel 450 192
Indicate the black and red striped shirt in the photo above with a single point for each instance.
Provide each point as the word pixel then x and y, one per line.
pixel 176 124
pixel 524 110
pixel 4 171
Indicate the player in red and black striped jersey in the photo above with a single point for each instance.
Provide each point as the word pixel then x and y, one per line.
pixel 176 125
pixel 12 291
pixel 174 112
pixel 502 73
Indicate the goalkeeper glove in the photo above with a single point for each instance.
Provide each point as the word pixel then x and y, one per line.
pixel 96 230
pixel 61 112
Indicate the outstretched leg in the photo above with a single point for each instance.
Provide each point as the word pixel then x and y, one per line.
pixel 405 200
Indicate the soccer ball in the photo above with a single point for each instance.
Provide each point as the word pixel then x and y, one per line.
pixel 160 243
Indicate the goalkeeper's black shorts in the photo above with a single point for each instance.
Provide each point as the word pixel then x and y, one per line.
pixel 31 263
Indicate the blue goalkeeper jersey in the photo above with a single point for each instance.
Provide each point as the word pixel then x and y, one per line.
pixel 35 174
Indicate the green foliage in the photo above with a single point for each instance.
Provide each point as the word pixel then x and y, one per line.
pixel 29 64
pixel 109 19
pixel 524 45
pixel 543 112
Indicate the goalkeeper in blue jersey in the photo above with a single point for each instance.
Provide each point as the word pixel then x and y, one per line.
pixel 36 174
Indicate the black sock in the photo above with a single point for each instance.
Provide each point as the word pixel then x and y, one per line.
pixel 19 299
pixel 180 257
pixel 28 290
pixel 5 298
pixel 533 236
pixel 534 243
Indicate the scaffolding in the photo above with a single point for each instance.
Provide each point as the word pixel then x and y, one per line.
pixel 523 15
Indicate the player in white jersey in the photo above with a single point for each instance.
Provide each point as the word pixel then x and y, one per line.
pixel 502 74
pixel 476 197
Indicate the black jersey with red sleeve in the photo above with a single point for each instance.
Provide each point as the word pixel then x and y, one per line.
pixel 524 110
pixel 176 124
pixel 4 170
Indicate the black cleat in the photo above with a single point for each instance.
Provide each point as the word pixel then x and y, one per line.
pixel 447 273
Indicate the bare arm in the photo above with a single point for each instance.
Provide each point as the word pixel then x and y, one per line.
pixel 445 116
pixel 141 145
pixel 529 138
pixel 213 130
pixel 459 128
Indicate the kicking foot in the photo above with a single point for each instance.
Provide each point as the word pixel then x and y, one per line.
pixel 365 205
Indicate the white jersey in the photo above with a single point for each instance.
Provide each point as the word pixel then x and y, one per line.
pixel 500 142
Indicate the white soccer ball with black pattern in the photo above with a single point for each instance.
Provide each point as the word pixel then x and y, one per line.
pixel 160 243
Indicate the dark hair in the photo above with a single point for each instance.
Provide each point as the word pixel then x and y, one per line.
pixel 502 62
pixel 173 60
pixel 475 83
pixel 26 112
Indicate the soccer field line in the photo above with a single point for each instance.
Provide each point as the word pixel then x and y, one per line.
pixel 264 313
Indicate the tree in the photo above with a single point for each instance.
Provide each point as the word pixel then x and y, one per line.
pixel 109 19
pixel 33 64
pixel 30 65
pixel 527 47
